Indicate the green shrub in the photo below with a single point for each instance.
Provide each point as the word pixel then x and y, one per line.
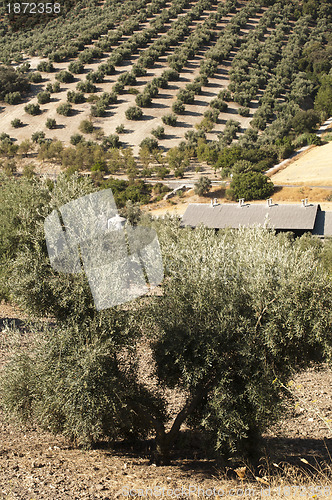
pixel 244 111
pixel 305 121
pixel 158 132
pixel 45 66
pixel 76 138
pixel 86 127
pixel 133 91
pixel 99 166
pixel 32 109
pixel 250 186
pixel 202 186
pixel 65 76
pixel 38 137
pixel 98 110
pixel 108 98
pixel 76 67
pixel 64 109
pixel 151 90
pixel 143 100
pixel 86 86
pixel 307 139
pixel 53 88
pixel 13 98
pixel 149 143
pixel 169 120
pixel 75 97
pixel 12 81
pixel 229 328
pixel 178 108
pixel 186 96
pixel 219 104
pixel 43 97
pixel 50 123
pixel 16 123
pixel 212 114
pixel 120 129
pixel 35 77
pixel 111 141
pixel 118 88
pixel 95 76
pixel 28 171
pixel 225 95
pixel 127 79
pixel 138 70
pixel 134 113
pixel 171 75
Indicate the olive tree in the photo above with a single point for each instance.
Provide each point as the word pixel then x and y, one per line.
pixel 236 315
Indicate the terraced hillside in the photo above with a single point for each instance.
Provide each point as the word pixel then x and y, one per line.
pixel 223 70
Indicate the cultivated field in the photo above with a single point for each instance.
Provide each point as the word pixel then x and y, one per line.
pixel 230 33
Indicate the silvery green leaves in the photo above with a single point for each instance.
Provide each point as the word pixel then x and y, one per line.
pixel 121 262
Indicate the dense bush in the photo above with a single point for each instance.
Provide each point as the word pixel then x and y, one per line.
pixel 138 70
pixel 158 132
pixel 186 96
pixel 45 66
pixel 65 76
pixel 169 120
pixel 86 86
pixel 178 107
pixel 43 97
pixel 76 138
pixel 244 111
pixel 75 97
pixel 16 123
pixel 95 76
pixel 50 123
pixel 64 109
pixel 86 127
pixel 12 81
pixel 35 77
pixel 134 113
pixel 120 129
pixel 76 67
pixel 250 186
pixel 13 98
pixel 98 109
pixel 143 100
pixel 149 143
pixel 202 186
pixel 53 88
pixel 127 79
pixel 38 137
pixel 32 109
pixel 219 104
pixel 111 141
pixel 305 121
pixel 323 100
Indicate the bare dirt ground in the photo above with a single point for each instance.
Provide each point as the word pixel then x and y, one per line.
pixel 36 465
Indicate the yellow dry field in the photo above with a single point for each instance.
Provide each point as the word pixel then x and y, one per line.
pixel 313 168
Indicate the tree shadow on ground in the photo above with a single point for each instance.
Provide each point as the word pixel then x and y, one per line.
pixel 158 105
pixel 193 452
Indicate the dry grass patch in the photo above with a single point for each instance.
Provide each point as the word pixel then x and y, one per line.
pixel 313 167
